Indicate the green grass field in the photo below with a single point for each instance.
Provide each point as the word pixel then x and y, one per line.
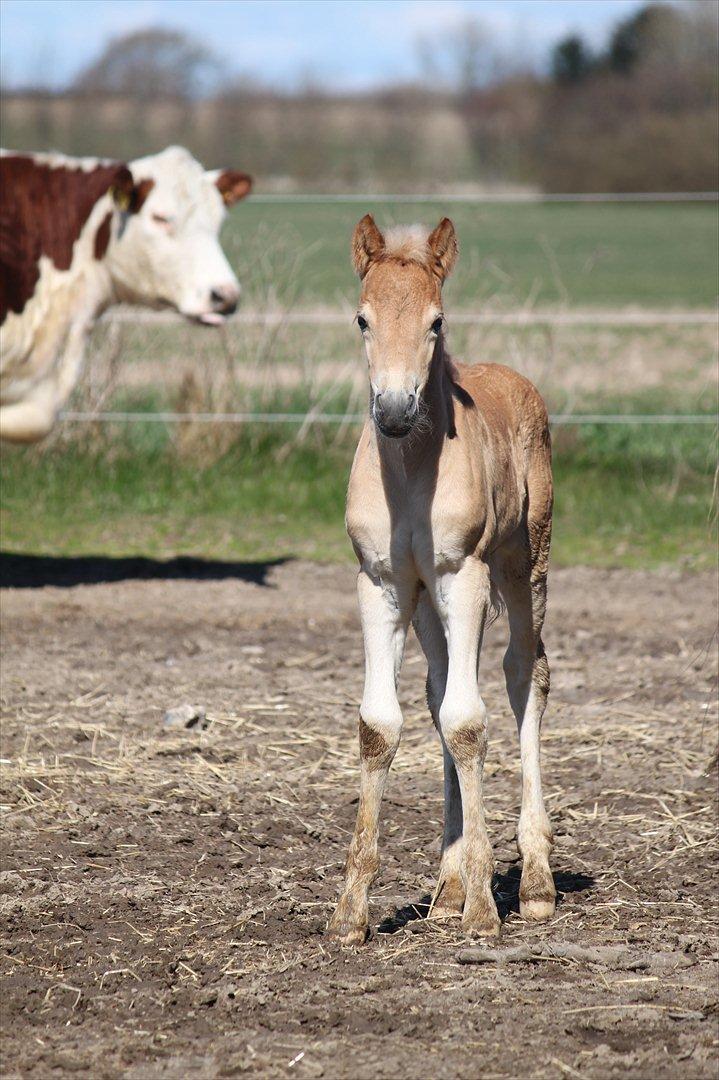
pixel 548 255
pixel 624 495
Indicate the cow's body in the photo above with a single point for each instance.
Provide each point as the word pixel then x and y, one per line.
pixel 78 234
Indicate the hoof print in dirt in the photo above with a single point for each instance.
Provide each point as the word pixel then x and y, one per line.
pixel 186 716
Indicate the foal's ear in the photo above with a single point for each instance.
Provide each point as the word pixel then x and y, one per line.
pixel 367 244
pixel 443 248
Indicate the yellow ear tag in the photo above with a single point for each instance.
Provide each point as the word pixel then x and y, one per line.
pixel 121 199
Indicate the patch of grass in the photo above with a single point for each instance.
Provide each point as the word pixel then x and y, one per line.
pixel 634 496
pixel 134 492
pixel 593 255
pixel 624 496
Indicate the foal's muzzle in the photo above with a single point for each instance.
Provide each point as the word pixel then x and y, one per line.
pixel 395 412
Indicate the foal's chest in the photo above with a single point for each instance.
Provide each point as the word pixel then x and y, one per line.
pixel 415 525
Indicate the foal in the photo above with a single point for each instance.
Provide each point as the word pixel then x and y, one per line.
pixel 449 506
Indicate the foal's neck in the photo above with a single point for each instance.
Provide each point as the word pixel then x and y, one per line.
pixel 437 394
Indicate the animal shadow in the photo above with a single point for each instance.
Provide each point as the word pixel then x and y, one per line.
pixel 506 888
pixel 506 894
pixel 402 916
pixel 35 571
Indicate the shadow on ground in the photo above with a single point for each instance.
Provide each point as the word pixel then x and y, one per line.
pixel 506 888
pixel 506 893
pixel 35 571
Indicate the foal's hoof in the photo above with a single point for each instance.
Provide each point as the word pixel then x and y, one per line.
pixel 348 935
pixel 536 910
pixel 450 900
pixel 489 931
pixel 486 925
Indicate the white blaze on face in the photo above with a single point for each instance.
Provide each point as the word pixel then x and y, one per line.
pixel 168 252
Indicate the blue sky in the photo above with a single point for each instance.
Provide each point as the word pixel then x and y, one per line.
pixel 350 44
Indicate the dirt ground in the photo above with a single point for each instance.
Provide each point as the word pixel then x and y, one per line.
pixel 165 891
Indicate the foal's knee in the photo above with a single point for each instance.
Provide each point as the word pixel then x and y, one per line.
pixel 464 730
pixel 379 737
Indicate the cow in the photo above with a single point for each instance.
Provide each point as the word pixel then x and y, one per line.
pixel 78 234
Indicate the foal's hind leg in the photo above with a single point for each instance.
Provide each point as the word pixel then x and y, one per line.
pixel 450 888
pixel 523 584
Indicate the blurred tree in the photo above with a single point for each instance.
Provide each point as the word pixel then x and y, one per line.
pixel 572 60
pixel 636 37
pixel 151 63
pixel 641 114
pixel 465 58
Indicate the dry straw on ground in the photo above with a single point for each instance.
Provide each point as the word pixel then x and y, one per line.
pixel 165 890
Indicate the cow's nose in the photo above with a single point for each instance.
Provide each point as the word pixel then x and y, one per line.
pixel 224 299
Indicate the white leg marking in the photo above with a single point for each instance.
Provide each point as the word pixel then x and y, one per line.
pixel 385 612
pixel 527 676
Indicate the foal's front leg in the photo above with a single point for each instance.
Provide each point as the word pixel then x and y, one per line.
pixel 462 599
pixel 385 612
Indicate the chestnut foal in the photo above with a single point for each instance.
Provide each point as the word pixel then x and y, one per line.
pixel 449 507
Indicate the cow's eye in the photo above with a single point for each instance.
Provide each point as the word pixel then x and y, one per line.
pixel 362 323
pixel 437 324
pixel 161 219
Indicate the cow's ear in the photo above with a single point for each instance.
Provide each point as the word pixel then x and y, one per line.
pixel 127 195
pixel 121 188
pixel 367 244
pixel 139 193
pixel 232 185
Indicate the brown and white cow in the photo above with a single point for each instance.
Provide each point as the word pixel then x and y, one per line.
pixel 77 234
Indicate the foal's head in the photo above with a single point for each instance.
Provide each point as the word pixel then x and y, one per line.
pixel 400 313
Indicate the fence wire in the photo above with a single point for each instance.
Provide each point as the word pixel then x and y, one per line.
pixel 557 419
pixel 496 197
pixel 320 317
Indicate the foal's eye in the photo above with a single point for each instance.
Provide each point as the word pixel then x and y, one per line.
pixel 362 323
pixel 437 324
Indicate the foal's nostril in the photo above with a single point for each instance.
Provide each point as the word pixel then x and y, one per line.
pixel 216 297
pixel 411 405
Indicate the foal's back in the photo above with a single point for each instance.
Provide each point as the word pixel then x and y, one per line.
pixel 510 405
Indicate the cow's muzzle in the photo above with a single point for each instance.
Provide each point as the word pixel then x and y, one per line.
pixel 224 299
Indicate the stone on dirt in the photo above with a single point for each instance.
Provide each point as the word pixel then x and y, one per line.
pixel 186 716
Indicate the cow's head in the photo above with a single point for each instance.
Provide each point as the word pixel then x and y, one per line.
pixel 164 247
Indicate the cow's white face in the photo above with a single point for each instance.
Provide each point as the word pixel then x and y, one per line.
pixel 166 250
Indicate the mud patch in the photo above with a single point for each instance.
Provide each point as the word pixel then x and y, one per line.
pixel 164 892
